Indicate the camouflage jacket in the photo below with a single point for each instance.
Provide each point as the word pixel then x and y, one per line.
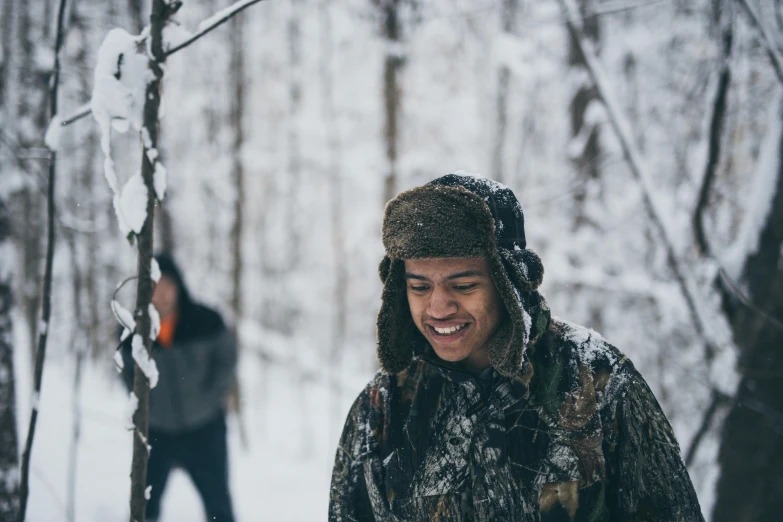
pixel 578 436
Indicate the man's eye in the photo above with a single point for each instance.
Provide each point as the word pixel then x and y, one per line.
pixel 420 288
pixel 464 288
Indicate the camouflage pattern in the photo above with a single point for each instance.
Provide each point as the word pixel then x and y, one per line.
pixel 576 436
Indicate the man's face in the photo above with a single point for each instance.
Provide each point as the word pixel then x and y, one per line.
pixel 165 297
pixel 455 305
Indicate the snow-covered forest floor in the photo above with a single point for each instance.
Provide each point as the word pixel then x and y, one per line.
pixel 282 473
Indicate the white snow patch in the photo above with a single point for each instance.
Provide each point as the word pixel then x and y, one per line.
pixel 133 203
pixel 53 133
pixel 469 174
pixel 155 270
pixel 173 35
pixel 142 358
pixel 133 405
pixel 124 316
pixel 120 364
pixel 148 492
pixel 159 180
pixel 119 102
pixel 35 400
pixel 591 344
pixel 154 322
pixel 125 334
pixel 43 327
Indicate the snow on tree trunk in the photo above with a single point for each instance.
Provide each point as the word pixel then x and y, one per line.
pixel 751 454
pixel 142 380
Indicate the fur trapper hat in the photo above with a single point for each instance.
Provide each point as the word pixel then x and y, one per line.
pixel 460 215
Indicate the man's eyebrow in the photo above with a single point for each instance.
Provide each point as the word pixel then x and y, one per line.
pixel 408 275
pixel 466 273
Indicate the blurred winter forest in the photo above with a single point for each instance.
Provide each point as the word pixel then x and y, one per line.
pixel 642 137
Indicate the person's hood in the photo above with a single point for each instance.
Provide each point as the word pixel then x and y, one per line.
pixel 460 215
pixel 193 319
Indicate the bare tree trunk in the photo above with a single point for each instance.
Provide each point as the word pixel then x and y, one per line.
pixel 141 384
pixel 339 258
pixel 294 115
pixel 725 18
pixel 508 16
pixel 9 463
pixel 751 453
pixel 237 72
pixel 26 123
pixel 584 133
pixel 78 338
pixel 137 21
pixel 391 92
pixel 46 300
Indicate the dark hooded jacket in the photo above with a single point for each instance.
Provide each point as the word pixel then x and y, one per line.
pixel 561 427
pixel 196 372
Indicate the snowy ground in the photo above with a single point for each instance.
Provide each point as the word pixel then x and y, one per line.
pixel 282 474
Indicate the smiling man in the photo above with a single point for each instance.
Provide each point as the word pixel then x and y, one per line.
pixel 486 408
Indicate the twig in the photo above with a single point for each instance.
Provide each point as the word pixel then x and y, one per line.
pixel 228 14
pixel 716 130
pixel 634 161
pixel 766 39
pixel 746 300
pixel 46 305
pixel 718 399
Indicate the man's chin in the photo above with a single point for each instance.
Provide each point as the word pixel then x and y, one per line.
pixel 449 353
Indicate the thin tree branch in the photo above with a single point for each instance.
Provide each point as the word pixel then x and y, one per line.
pixel 732 287
pixel 634 161
pixel 213 22
pixel 716 129
pixel 718 399
pixel 766 39
pixel 46 306
pixel 209 24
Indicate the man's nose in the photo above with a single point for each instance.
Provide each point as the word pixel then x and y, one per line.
pixel 442 304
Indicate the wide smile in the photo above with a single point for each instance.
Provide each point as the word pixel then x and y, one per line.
pixel 448 334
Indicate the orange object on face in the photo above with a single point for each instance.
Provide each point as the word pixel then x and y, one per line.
pixel 168 325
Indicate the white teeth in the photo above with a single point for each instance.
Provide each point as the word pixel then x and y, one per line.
pixel 449 330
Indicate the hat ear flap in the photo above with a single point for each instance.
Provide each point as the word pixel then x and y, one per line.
pixel 384 268
pixel 524 267
pixel 509 341
pixel 395 351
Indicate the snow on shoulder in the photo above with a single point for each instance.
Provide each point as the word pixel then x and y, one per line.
pixel 590 344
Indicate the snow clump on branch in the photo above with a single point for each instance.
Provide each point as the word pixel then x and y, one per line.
pixel 142 358
pixel 121 78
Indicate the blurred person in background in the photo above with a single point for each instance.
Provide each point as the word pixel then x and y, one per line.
pixel 486 407
pixel 196 358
